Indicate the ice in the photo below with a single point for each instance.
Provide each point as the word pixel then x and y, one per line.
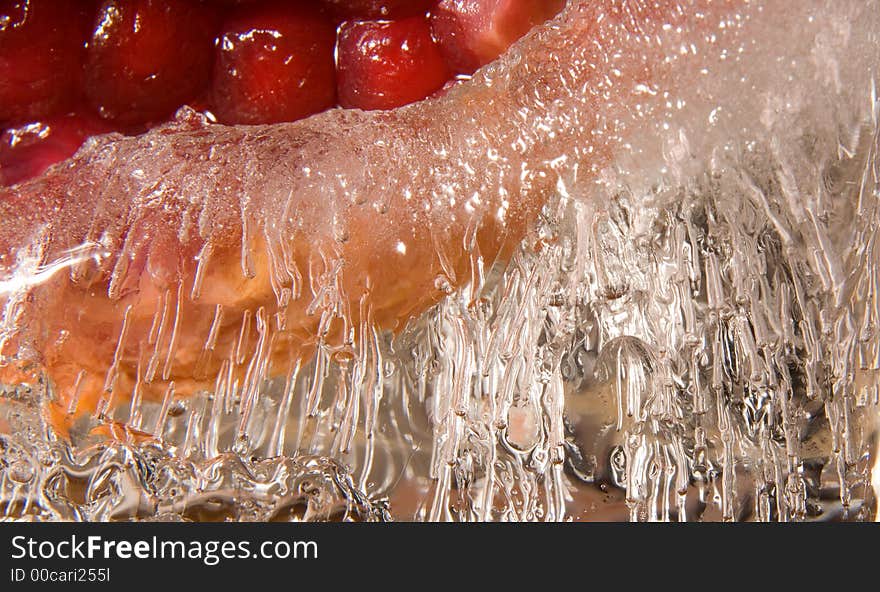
pixel 688 332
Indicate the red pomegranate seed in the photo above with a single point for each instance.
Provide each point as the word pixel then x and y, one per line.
pixel 376 9
pixel 274 62
pixel 386 64
pixel 41 52
pixel 148 57
pixel 28 150
pixel 472 33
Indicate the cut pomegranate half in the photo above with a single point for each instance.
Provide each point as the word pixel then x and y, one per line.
pixel 272 60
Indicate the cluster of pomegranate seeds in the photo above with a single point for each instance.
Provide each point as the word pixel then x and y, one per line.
pixel 74 68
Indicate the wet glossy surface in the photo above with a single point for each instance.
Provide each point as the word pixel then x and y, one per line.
pixel 653 297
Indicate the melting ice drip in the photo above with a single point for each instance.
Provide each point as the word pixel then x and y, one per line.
pixel 702 347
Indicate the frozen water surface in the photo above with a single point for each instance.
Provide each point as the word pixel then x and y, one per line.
pixel 629 271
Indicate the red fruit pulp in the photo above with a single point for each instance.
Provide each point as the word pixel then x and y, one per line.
pixel 274 62
pixel 41 50
pixel 147 57
pixel 382 64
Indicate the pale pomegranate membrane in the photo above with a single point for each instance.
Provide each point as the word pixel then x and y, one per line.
pixel 627 271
